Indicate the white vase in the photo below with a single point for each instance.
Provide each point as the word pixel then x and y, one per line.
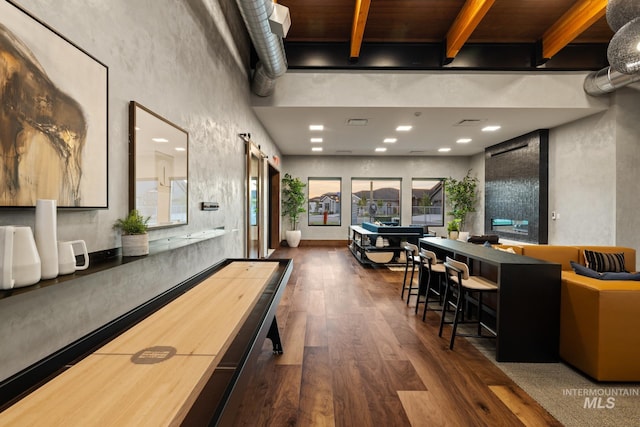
pixel 47 237
pixel 293 238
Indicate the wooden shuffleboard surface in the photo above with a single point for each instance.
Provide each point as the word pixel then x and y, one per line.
pixel 151 374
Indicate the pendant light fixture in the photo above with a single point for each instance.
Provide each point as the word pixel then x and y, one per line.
pixel 623 53
pixel 624 48
pixel 619 12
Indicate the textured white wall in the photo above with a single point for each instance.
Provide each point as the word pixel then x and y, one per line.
pixel 627 110
pixel 582 181
pixel 444 89
pixel 187 61
pixel 594 175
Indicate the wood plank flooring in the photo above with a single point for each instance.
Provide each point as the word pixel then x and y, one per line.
pixel 357 355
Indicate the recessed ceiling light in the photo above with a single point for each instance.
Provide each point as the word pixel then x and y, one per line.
pixel 490 128
pixel 159 139
pixel 316 139
pixel 463 140
pixel 181 149
pixel 390 140
pixel 444 150
pixel 316 127
pixel 381 149
pixel 316 149
pixel 404 128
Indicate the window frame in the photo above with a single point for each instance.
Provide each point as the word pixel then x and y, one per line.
pixel 329 219
pixel 357 209
pixel 442 199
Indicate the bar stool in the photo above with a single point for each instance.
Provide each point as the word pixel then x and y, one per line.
pixel 433 268
pixel 412 261
pixel 459 281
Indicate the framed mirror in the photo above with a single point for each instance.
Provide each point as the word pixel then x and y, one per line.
pixel 158 168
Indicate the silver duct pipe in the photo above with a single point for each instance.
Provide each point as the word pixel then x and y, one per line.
pixel 607 80
pixel 272 61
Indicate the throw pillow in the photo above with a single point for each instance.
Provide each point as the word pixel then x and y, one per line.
pixel 610 275
pixel 620 276
pixel 584 271
pixel 603 262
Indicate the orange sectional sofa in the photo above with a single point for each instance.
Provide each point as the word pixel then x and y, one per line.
pixel 599 319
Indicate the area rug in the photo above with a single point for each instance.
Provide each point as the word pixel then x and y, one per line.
pixel 572 398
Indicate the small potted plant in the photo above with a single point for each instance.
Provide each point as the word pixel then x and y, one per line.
pixel 293 202
pixel 453 228
pixel 135 239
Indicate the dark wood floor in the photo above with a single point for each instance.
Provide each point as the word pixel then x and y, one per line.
pixel 356 355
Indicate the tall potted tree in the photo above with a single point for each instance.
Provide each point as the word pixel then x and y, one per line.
pixel 293 204
pixel 461 197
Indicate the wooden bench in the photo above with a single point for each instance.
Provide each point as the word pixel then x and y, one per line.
pixel 154 373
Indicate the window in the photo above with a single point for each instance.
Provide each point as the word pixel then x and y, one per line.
pixel 427 201
pixel 324 201
pixel 178 200
pixel 375 200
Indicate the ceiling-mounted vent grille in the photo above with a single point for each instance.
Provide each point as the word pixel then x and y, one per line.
pixel 469 122
pixel 357 122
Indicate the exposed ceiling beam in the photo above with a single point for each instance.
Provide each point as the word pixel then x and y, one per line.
pixel 357 30
pixel 577 19
pixel 467 20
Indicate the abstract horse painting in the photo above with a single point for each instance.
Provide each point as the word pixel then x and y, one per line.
pixel 42 131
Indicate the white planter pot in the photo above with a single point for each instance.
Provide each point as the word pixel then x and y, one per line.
pixel 135 244
pixel 453 235
pixel 293 238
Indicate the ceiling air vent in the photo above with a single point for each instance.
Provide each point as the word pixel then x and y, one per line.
pixel 357 122
pixel 470 122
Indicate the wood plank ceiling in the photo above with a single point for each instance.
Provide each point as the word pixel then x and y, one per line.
pixel 432 34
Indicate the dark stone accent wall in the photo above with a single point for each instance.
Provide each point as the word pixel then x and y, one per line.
pixel 517 187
